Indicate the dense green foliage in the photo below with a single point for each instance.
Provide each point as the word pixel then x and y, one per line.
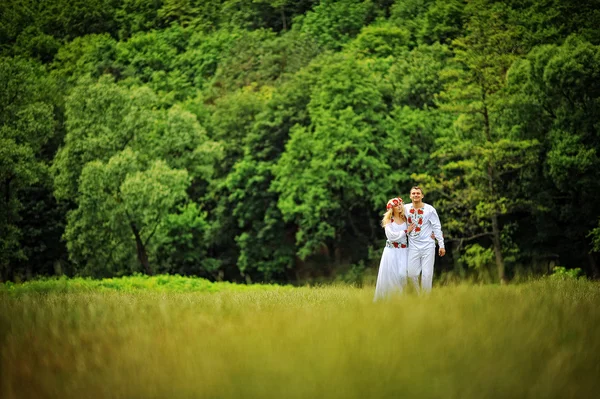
pixel 535 340
pixel 258 140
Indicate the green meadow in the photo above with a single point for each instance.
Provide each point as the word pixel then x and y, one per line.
pixel 139 337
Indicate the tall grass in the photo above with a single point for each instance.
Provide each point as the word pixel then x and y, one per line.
pixel 538 340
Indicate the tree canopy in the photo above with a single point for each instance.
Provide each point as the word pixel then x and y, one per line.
pixel 259 140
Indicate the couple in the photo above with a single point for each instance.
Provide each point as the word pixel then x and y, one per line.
pixel 411 231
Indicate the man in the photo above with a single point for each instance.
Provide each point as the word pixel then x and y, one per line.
pixel 421 244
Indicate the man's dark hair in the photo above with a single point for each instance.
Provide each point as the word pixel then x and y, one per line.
pixel 417 188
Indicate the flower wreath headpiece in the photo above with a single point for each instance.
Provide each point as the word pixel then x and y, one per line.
pixel 394 202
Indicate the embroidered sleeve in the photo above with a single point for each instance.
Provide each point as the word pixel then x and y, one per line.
pixel 394 236
pixel 437 227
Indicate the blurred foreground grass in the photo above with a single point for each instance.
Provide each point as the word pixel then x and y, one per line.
pixel 536 340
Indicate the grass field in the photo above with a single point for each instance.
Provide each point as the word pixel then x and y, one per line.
pixel 535 340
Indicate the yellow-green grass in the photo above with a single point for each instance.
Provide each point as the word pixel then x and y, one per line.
pixel 136 283
pixel 536 340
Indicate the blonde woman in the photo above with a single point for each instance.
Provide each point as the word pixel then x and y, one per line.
pixel 393 266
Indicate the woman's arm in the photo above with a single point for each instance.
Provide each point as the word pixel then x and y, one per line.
pixel 394 236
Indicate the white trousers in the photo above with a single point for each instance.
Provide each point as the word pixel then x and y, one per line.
pixel 420 261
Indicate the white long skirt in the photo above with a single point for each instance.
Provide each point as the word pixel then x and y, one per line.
pixel 392 275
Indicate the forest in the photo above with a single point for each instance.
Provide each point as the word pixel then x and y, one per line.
pixel 259 140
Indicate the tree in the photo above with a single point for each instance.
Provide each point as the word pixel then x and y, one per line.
pixel 232 121
pixel 248 209
pixel 26 127
pixel 148 58
pixel 333 168
pixel 417 77
pixel 203 55
pixel 410 15
pixel 556 99
pixel 552 21
pixel 59 19
pixel 483 167
pixel 381 41
pixel 121 203
pixel 430 21
pixel 135 16
pixel 93 55
pixel 35 44
pixel 333 23
pixel 443 22
pixel 102 118
pixel 255 58
pixel 118 137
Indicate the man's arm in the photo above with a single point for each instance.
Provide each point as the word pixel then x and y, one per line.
pixel 437 230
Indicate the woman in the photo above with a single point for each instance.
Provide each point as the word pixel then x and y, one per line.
pixel 392 268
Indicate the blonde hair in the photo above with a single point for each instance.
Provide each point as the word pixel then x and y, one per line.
pixel 387 216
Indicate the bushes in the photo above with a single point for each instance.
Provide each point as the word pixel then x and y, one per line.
pixel 560 272
pixel 137 282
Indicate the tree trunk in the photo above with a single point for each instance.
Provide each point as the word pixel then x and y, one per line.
pixel 5 272
pixel 7 199
pixel 455 258
pixel 498 249
pixel 141 250
pixel 283 19
pixel 593 265
pixel 491 177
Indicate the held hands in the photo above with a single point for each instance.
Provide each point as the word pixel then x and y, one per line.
pixel 411 227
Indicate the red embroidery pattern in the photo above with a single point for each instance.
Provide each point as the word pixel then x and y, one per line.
pixel 418 218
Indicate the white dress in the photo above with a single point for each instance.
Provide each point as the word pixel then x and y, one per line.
pixel 392 268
